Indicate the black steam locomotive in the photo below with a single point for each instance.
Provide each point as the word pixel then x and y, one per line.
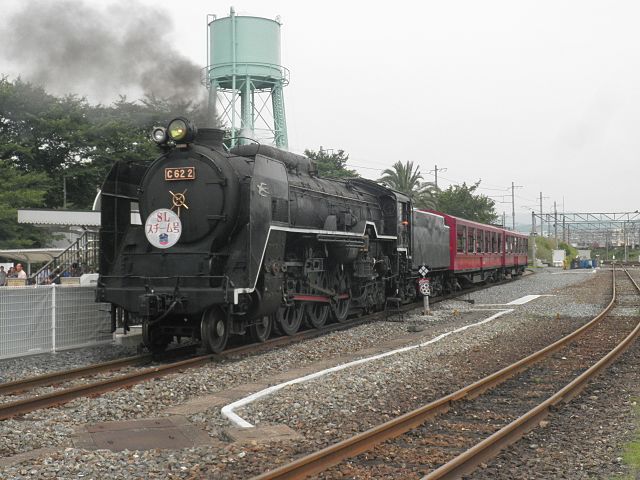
pixel 249 239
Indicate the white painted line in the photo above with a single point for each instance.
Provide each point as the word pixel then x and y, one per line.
pixel 574 271
pixel 527 299
pixel 517 301
pixel 228 410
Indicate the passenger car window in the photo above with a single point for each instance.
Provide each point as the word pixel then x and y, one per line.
pixel 461 236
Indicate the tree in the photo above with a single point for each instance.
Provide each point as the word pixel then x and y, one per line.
pixel 46 134
pixel 461 201
pixel 20 190
pixel 75 143
pixel 331 165
pixel 407 179
pixel 49 142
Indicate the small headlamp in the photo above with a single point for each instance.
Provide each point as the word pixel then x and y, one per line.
pixel 159 135
pixel 180 130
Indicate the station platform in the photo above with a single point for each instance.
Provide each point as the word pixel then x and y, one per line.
pixel 132 338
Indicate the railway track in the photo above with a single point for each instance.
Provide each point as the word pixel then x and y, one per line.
pixel 25 405
pixel 59 397
pixel 449 437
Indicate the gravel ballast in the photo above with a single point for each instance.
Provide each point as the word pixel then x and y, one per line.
pixel 30 366
pixel 322 411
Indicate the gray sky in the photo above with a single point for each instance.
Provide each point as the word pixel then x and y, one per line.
pixel 545 94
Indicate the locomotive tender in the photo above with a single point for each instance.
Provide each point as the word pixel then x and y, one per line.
pixel 249 239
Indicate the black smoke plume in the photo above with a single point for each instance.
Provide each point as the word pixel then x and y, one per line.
pixel 100 51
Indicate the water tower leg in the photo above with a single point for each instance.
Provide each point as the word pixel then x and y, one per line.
pixel 246 111
pixel 212 107
pixel 279 120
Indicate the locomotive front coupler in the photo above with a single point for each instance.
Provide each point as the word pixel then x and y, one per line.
pixel 153 304
pixel 156 307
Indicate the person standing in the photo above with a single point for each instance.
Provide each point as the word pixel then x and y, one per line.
pixel 43 276
pixel 20 273
pixel 3 276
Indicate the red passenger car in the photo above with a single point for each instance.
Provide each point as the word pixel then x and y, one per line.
pixel 516 252
pixel 480 252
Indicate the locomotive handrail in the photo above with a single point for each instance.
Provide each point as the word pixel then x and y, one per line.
pixel 144 277
pixel 212 254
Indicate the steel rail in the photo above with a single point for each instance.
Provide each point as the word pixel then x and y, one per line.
pixel 332 455
pixel 11 409
pixel 467 461
pixel 18 407
pixel 61 376
pixel 64 375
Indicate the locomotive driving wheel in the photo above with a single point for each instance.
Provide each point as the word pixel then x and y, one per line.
pixel 340 306
pixel 316 313
pixel 153 339
pixel 261 329
pixel 289 318
pixel 214 330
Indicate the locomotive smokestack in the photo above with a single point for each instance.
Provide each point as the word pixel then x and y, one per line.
pixel 210 136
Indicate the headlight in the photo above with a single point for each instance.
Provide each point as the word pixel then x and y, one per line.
pixel 181 130
pixel 159 135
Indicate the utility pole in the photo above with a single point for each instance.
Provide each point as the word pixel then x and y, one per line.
pixel 624 230
pixel 533 235
pixel 563 223
pixel 541 222
pixel 513 205
pixel 555 223
pixel 541 217
pixel 435 172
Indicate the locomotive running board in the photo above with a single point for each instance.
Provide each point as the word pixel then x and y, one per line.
pixel 238 291
pixel 347 241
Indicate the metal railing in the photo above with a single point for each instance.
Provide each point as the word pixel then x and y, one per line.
pixel 47 318
pixel 273 72
pixel 81 257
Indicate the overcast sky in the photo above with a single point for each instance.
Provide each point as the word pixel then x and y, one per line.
pixel 545 94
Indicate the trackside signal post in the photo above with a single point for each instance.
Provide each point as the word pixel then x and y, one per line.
pixel 425 289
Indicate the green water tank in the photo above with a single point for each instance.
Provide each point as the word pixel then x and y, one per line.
pixel 245 46
pixel 244 67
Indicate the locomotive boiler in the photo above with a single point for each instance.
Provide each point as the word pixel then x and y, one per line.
pixel 248 239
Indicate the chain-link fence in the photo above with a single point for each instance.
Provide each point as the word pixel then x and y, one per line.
pixel 47 318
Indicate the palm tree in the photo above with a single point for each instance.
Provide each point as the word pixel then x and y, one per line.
pixel 407 179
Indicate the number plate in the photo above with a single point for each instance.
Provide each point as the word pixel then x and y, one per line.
pixel 180 173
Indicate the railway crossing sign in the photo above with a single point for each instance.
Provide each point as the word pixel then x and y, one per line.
pixel 424 286
pixel 423 271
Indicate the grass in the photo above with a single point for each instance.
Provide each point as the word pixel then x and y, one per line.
pixel 631 453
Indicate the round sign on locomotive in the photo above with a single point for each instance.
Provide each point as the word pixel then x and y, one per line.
pixel 257 240
pixel 163 228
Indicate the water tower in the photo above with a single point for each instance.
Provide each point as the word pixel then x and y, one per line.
pixel 245 78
